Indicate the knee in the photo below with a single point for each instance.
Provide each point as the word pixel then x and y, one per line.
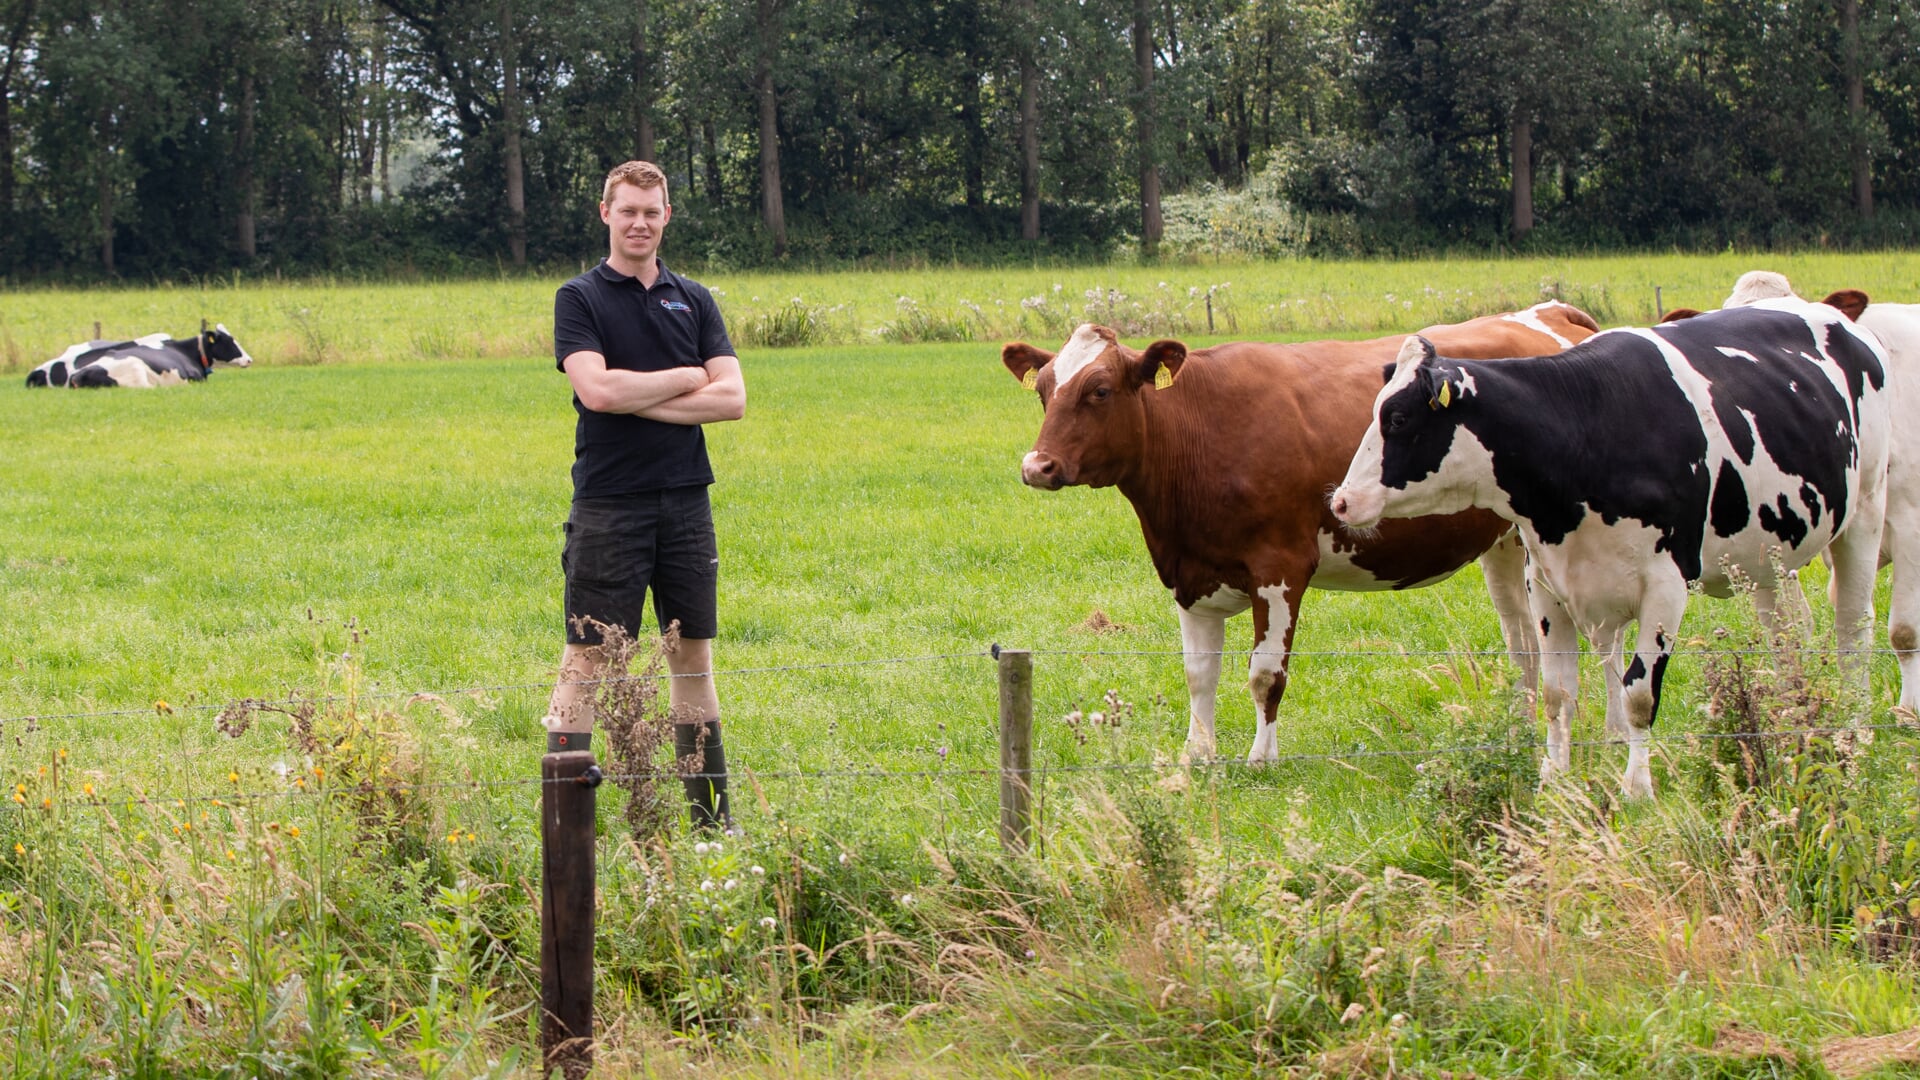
pixel 1266 685
pixel 693 657
pixel 1903 637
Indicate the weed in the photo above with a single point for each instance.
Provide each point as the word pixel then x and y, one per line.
pixel 312 345
pixel 634 718
pixel 915 325
pixel 793 324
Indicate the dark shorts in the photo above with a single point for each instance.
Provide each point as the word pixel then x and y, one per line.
pixel 620 547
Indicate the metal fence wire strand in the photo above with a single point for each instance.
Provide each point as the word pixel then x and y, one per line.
pixel 181 800
pixel 724 673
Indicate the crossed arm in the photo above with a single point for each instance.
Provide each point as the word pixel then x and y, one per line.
pixel 684 395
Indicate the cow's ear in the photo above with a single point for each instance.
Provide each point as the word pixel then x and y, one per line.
pixel 1024 361
pixel 1413 350
pixel 1679 313
pixel 1161 363
pixel 1387 372
pixel 1440 385
pixel 1851 303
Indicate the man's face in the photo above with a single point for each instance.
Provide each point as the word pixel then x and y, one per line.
pixel 635 219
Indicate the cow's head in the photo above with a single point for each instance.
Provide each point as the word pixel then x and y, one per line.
pixel 1757 285
pixel 1094 431
pixel 219 349
pixel 1405 466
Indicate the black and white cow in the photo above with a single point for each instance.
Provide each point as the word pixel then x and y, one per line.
pixel 154 360
pixel 1898 328
pixel 1642 460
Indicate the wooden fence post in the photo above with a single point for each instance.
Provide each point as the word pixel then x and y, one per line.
pixel 566 911
pixel 1016 748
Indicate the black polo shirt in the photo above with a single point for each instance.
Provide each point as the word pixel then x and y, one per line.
pixel 673 324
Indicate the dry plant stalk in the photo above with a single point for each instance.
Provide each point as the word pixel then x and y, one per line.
pixel 636 719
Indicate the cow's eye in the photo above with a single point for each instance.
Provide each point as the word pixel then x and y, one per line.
pixel 1396 420
pixel 1101 393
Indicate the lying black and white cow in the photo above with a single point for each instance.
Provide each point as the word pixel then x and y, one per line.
pixel 154 360
pixel 1641 460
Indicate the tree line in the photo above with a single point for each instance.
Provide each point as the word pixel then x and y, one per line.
pixel 176 138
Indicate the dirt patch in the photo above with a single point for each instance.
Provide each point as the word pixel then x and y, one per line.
pixel 1100 623
pixel 1736 1040
pixel 1858 1056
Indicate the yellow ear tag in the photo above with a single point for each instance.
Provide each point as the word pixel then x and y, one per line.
pixel 1162 378
pixel 1446 394
pixel 1031 378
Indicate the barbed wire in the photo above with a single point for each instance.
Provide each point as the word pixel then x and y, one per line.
pixel 183 800
pixel 991 652
pixel 460 691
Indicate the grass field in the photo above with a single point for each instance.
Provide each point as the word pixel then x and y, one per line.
pixel 358 517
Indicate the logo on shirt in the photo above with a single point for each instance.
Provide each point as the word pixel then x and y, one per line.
pixel 674 305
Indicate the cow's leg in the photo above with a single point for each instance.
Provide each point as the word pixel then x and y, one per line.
pixel 1504 565
pixel 1661 608
pixel 1856 562
pixel 1613 640
pixel 1275 610
pixel 1203 635
pixel 1900 544
pixel 1559 675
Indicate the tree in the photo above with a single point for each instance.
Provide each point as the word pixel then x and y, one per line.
pixel 1151 223
pixel 510 125
pixel 643 89
pixel 1858 160
pixel 16 19
pixel 767 30
pixel 1027 33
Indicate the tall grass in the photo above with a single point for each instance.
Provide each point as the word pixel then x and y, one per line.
pixel 330 321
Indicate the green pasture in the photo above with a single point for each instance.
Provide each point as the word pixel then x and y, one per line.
pixel 358 512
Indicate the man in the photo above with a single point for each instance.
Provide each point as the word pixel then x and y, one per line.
pixel 649 360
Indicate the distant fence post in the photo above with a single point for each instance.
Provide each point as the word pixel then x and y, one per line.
pixel 566 911
pixel 1016 748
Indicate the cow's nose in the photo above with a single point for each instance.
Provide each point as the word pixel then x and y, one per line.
pixel 1339 505
pixel 1041 471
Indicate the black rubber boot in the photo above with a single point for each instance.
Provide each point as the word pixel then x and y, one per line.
pixel 707 790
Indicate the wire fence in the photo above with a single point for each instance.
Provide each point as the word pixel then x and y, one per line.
pixel 1219 765
pixel 297 786
pixel 724 673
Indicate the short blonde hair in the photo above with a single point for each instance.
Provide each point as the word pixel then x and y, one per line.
pixel 641 174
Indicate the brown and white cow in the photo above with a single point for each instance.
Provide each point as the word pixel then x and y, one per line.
pixel 1227 455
